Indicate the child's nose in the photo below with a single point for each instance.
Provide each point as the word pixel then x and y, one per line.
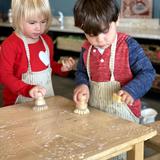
pixel 100 37
pixel 38 26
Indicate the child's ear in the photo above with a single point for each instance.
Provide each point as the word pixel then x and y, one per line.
pixel 117 22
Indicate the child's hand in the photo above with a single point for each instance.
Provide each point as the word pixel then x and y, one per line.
pixel 37 92
pixel 79 91
pixel 68 64
pixel 126 97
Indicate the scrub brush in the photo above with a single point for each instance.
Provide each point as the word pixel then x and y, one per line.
pixel 40 104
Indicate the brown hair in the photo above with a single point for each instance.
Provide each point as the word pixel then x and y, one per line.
pixel 95 16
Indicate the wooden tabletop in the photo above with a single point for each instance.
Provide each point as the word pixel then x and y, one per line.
pixel 60 134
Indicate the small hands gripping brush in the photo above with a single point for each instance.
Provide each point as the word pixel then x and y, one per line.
pixel 82 106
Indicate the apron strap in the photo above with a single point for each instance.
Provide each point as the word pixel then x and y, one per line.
pixel 112 59
pixel 88 64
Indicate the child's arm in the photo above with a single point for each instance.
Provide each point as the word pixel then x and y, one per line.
pixel 81 76
pixel 142 70
pixel 10 71
pixel 82 81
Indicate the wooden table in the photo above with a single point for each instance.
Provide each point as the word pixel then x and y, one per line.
pixel 60 134
pixel 155 141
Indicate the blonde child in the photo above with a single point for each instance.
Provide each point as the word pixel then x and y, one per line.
pixel 27 54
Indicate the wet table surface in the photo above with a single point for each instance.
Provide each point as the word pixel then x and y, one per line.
pixel 60 134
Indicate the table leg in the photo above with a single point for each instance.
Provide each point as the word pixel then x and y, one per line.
pixel 137 153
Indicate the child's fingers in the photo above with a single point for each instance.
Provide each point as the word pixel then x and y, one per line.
pixel 65 65
pixel 37 91
pixel 39 94
pixel 71 60
pixel 126 97
pixel 43 91
pixel 121 92
pixel 129 101
pixel 68 63
pixel 75 97
pixel 78 96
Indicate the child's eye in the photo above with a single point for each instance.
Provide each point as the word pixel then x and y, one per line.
pixel 31 22
pixel 105 31
pixel 45 21
pixel 91 35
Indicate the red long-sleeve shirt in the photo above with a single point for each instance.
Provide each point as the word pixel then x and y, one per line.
pixel 13 62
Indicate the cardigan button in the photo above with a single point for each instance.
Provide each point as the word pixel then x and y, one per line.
pixel 94 50
pixel 102 60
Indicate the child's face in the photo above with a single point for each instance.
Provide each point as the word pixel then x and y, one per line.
pixel 105 39
pixel 33 27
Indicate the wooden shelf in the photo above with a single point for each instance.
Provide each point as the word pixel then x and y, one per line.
pixel 70 43
pixel 70 39
pixel 153 52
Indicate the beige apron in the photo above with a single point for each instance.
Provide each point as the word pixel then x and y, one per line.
pixel 42 78
pixel 101 93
